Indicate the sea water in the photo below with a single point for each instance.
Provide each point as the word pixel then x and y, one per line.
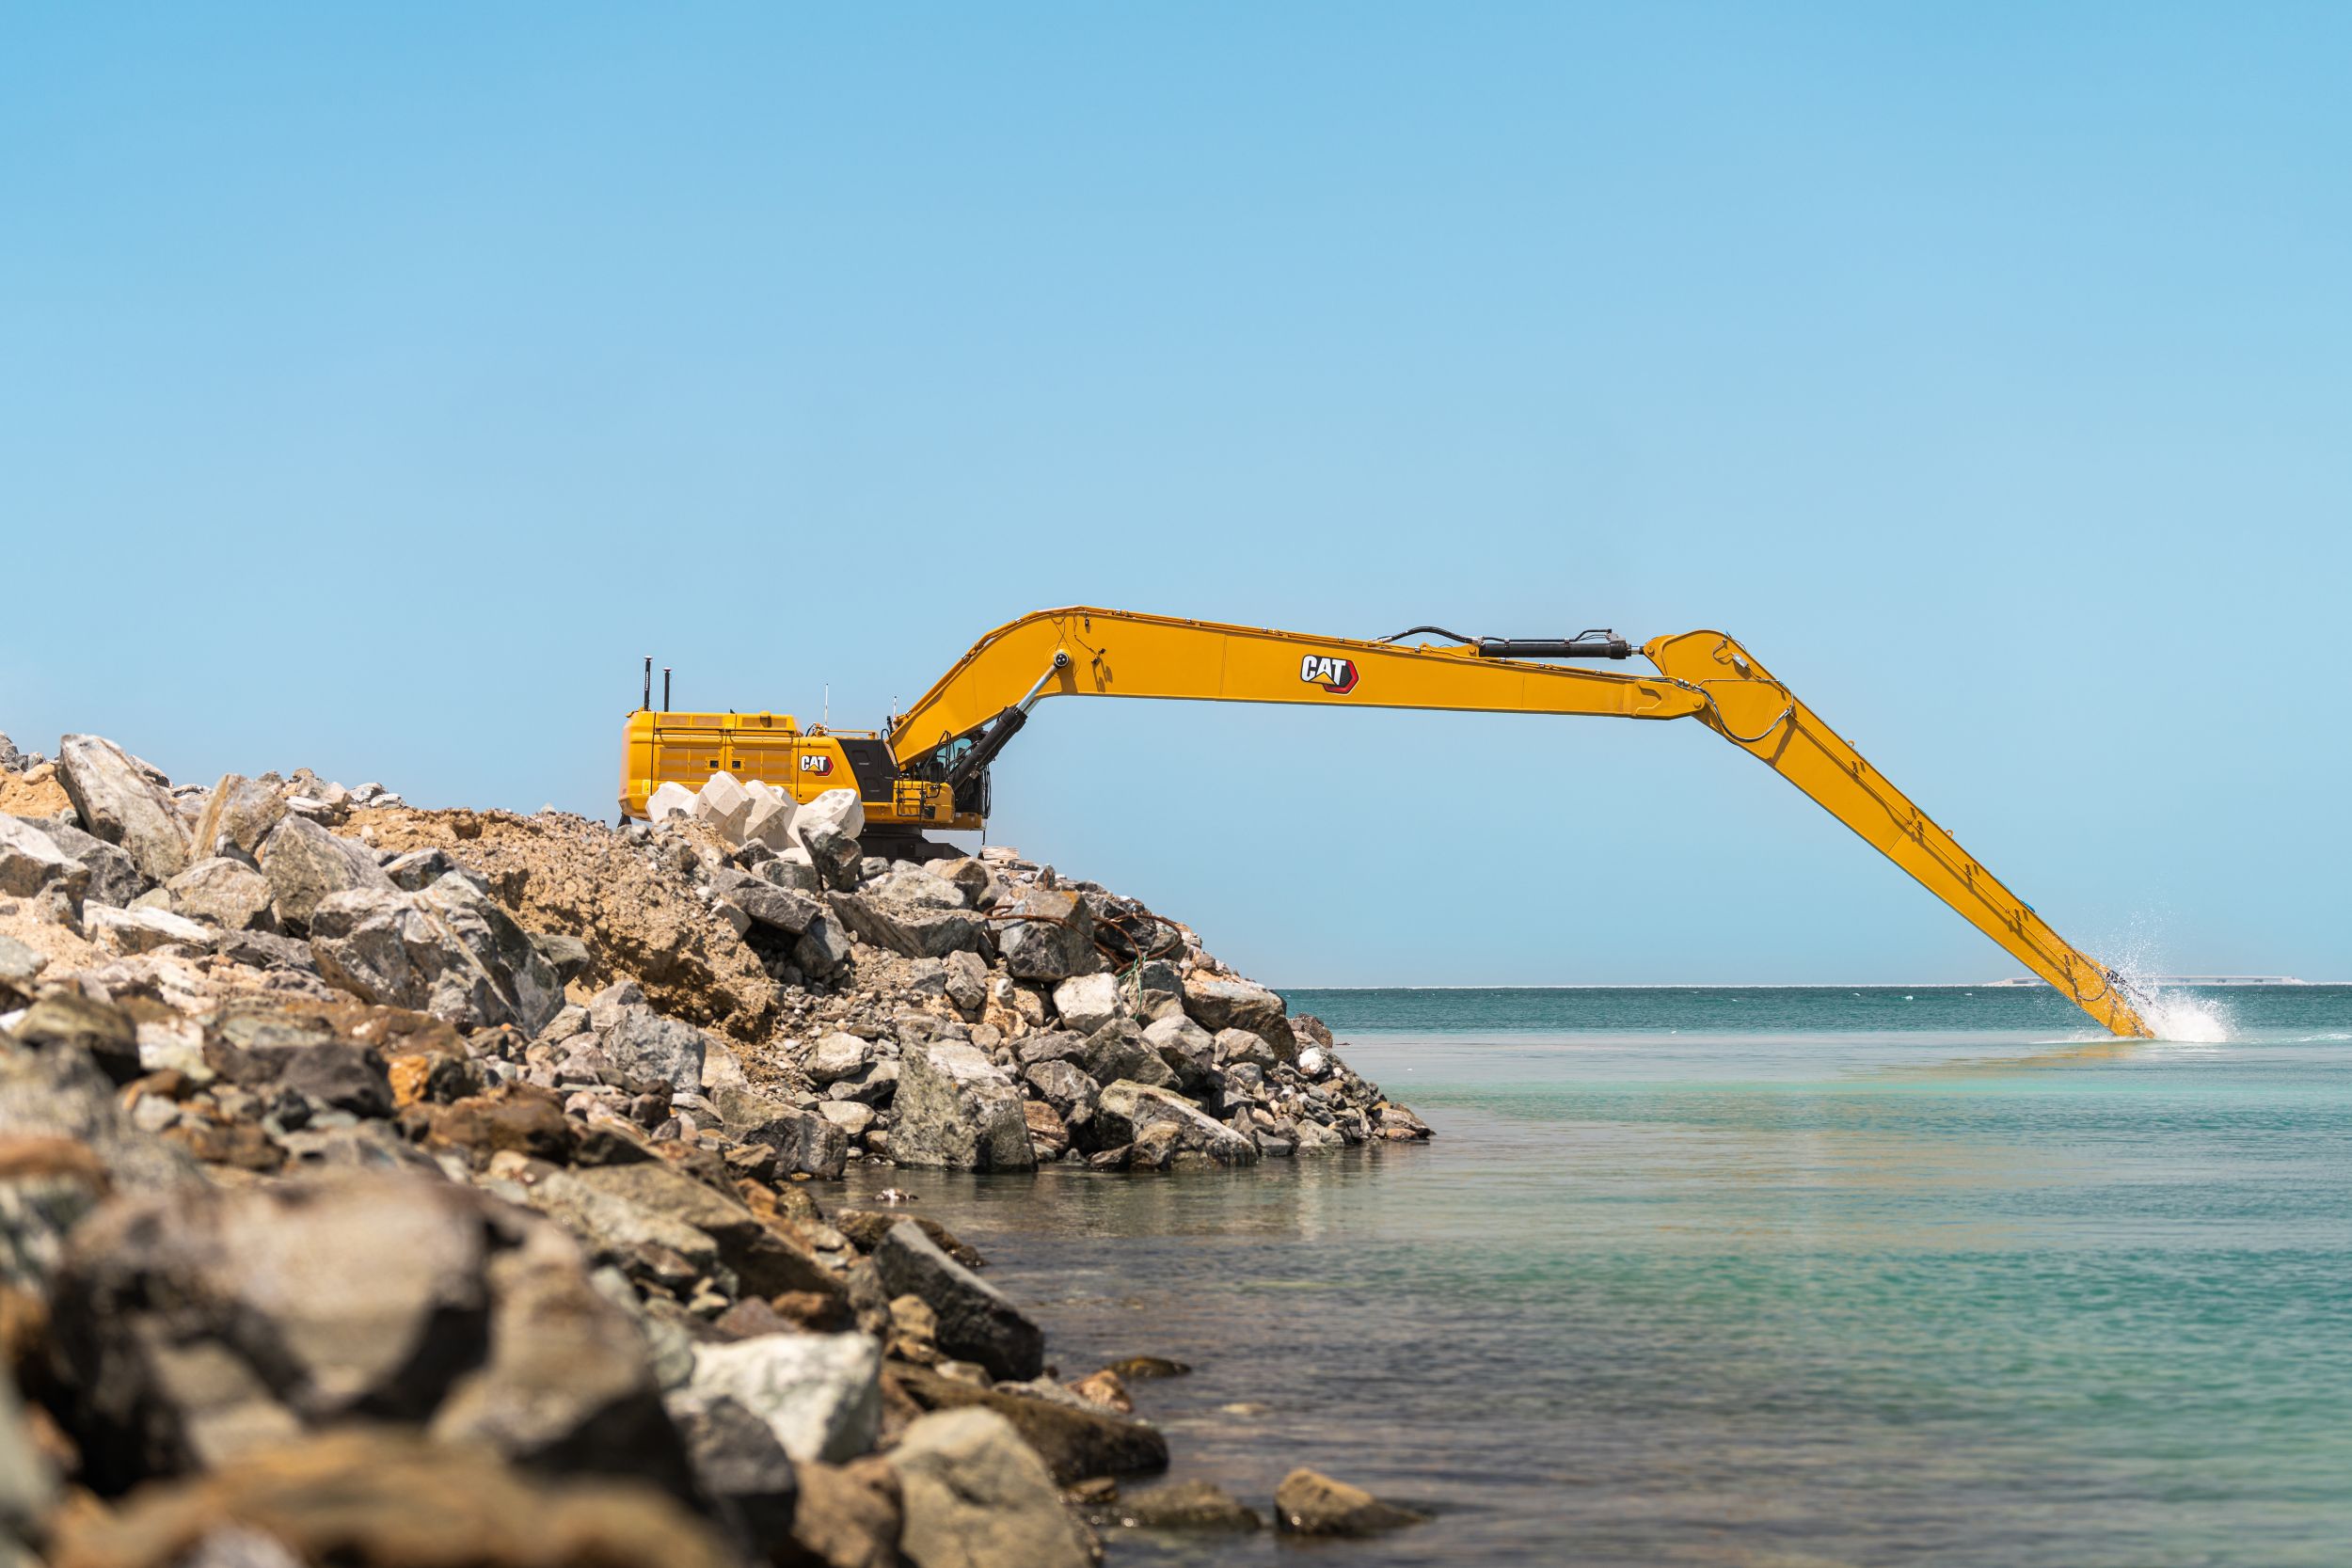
pixel 1795 1277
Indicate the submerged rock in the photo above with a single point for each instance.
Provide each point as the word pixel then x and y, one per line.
pixel 1311 1503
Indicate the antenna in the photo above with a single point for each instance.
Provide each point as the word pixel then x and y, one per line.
pixel 648 702
pixel 827 719
pixel 665 688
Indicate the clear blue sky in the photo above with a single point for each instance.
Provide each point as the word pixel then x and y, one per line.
pixel 382 383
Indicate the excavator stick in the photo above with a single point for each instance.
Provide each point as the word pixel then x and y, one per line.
pixel 1745 706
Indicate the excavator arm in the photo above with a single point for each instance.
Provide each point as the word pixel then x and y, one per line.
pixel 951 733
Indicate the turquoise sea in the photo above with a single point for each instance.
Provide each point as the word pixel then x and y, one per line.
pixel 1801 1277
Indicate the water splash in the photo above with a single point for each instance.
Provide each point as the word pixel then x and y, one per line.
pixel 2184 1017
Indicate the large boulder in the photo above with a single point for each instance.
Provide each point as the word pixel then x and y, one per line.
pixel 739 1465
pixel 1048 935
pixel 1116 1051
pixel 114 879
pixel 1129 1111
pixel 1076 1439
pixel 228 892
pixel 306 863
pixel 31 863
pixel 1188 1050
pixel 820 1394
pixel 975 1496
pixel 1066 1088
pixel 645 1044
pixel 918 930
pixel 670 800
pixel 126 802
pixel 976 1321
pixel 1219 1001
pixel 958 1109
pixel 765 1261
pixel 450 951
pixel 205 1322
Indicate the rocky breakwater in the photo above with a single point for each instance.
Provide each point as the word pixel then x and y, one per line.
pixel 381 1186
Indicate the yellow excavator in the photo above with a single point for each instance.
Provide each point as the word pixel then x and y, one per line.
pixel 928 767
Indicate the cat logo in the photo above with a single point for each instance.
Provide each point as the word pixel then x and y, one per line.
pixel 815 762
pixel 1335 675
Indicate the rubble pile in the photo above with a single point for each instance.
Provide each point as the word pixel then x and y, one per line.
pixel 383 1186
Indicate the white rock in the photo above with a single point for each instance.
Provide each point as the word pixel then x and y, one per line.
pixel 1312 1061
pixel 671 800
pixel 725 804
pixel 1086 1002
pixel 819 1393
pixel 838 809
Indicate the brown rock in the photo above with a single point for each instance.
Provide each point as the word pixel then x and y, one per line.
pixel 866 1227
pixel 1106 1390
pixel 847 1517
pixel 387 1500
pixel 1075 1443
pixel 1186 1505
pixel 1311 1503
pixel 1046 1133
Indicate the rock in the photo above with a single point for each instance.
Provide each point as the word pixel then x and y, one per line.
pixel 142 930
pixel 724 804
pixel 1052 1045
pixel 1152 990
pixel 388 1499
pixel 823 948
pixel 202 1323
pixel 1088 1002
pixel 837 811
pixel 779 908
pixel 304 863
pixel 1399 1125
pixel 958 1109
pixel 1237 1046
pixel 126 802
pixel 20 966
pixel 1219 1003
pixel 739 1465
pixel 266 950
pixel 1067 1088
pixel 617 1227
pixel 646 1044
pixel 1050 935
pixel 1048 1136
pixel 972 878
pixel 1313 1138
pixel 31 863
pixel 114 879
pixel 567 955
pixel 1074 1438
pixel 225 893
pixel 1313 1062
pixel 847 1115
pixel 1188 1050
pixel 1186 1505
pixel 1116 1052
pixel 237 820
pixel 793 870
pixel 767 1263
pixel 1309 1503
pixel 906 883
pixel 804 1142
pixel 1105 1388
pixel 975 1496
pixel 450 951
pixel 819 1394
pixel 71 1022
pixel 419 868
pixel 28 1479
pixel 847 1517
pixel 1129 1109
pixel 976 1321
pixel 837 1056
pixel 916 930
pixel 670 800
pixel 867 1228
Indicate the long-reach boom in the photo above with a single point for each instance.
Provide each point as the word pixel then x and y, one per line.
pixel 928 769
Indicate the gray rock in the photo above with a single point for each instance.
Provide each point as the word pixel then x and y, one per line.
pixel 224 892
pixel 1116 1052
pixel 449 951
pixel 837 1056
pixel 975 1496
pixel 803 1141
pixel 142 930
pixel 1235 1046
pixel 306 863
pixel 1053 1045
pixel 1309 1503
pixel 739 1464
pixel 114 881
pixel 958 1109
pixel 764 1261
pixel 823 948
pixel 916 931
pixel 819 1394
pixel 28 1479
pixel 1066 1088
pixel 20 966
pixel 1152 990
pixel 1189 1050
pixel 1050 935
pixel 1130 1110
pixel 1088 1002
pixel 646 1044
pixel 566 955
pixel 267 950
pixel 205 1322
pixel 31 864
pixel 12 760
pixel 1219 1003
pixel 126 802
pixel 779 908
pixel 976 1321
pixel 964 977
pixel 792 870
